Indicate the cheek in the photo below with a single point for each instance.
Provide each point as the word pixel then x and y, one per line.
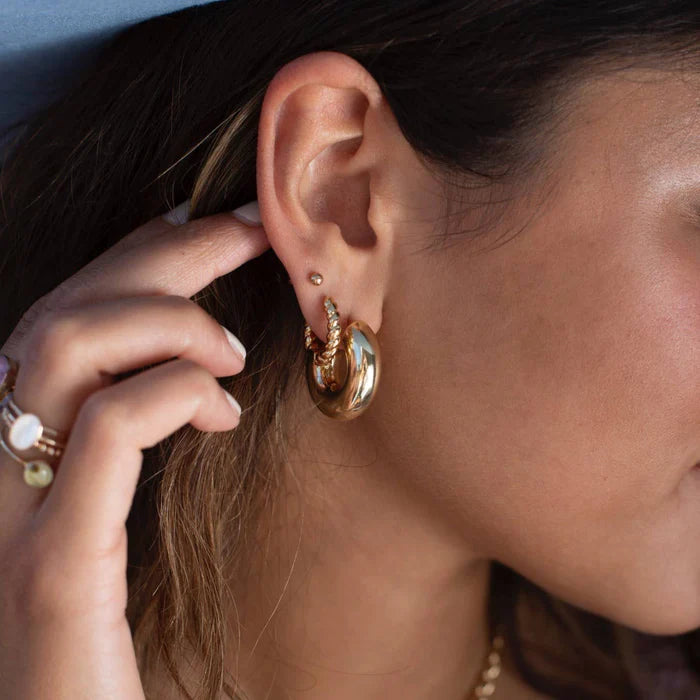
pixel 572 414
pixel 572 371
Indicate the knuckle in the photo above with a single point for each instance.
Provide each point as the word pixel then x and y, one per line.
pixel 200 239
pixel 28 320
pixel 55 333
pixel 57 299
pixel 30 316
pixel 198 378
pixel 178 302
pixel 189 315
pixel 102 414
pixel 44 303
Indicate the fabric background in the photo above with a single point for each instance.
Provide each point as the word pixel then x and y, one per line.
pixel 45 43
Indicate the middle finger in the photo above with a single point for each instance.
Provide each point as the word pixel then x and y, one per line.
pixel 158 258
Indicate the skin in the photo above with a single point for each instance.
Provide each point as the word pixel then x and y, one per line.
pixel 63 631
pixel 536 406
pixel 538 402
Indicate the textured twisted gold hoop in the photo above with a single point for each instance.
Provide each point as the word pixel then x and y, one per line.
pixel 342 392
pixel 325 354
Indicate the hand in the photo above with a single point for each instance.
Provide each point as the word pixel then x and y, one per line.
pixel 63 629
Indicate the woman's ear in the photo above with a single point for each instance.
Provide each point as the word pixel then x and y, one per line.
pixel 327 167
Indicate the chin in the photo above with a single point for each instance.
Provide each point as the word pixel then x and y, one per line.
pixel 663 614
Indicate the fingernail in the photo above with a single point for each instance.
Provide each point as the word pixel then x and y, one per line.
pixel 249 213
pixel 179 215
pixel 234 404
pixel 234 342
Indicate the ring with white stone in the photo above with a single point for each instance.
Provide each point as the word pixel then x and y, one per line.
pixel 26 430
pixel 23 431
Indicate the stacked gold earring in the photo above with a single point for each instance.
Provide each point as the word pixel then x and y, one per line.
pixel 342 384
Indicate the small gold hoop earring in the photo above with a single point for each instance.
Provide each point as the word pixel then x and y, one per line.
pixel 342 384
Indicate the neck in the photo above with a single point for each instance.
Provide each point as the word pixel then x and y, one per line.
pixel 356 588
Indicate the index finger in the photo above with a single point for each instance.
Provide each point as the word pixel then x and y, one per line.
pixel 160 257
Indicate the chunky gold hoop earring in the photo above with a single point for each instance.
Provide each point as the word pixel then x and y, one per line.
pixel 342 384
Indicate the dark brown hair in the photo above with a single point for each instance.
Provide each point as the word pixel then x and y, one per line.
pixel 170 111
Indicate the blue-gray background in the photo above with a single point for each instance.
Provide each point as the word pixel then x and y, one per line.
pixel 44 44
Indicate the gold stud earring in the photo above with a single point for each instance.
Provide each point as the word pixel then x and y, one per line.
pixel 342 384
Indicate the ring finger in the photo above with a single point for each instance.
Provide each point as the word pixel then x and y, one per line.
pixel 71 353
pixel 89 502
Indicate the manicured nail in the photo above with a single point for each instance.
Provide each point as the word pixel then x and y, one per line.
pixel 234 342
pixel 234 404
pixel 249 213
pixel 179 215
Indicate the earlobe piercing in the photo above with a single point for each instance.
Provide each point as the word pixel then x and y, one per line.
pixel 345 392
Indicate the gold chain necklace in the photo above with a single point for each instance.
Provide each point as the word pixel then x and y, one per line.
pixel 487 687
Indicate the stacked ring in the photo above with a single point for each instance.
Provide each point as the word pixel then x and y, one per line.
pixel 23 431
